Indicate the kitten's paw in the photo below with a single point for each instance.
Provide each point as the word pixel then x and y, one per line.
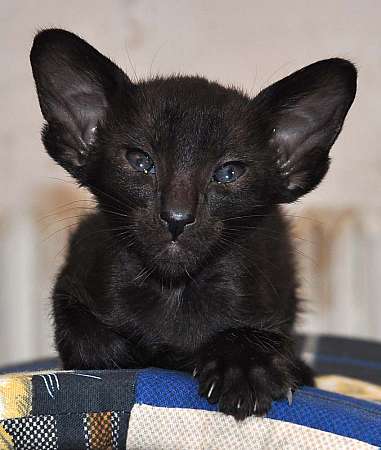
pixel 247 386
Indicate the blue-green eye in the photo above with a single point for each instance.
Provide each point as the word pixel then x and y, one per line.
pixel 141 161
pixel 229 172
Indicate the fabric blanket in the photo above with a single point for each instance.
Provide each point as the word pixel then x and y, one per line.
pixel 158 409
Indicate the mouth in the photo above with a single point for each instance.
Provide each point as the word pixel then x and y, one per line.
pixel 174 248
pixel 174 254
pixel 175 261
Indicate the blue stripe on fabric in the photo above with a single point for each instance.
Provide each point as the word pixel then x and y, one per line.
pixel 169 389
pixel 340 360
pixel 314 408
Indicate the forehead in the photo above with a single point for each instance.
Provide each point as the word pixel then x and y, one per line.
pixel 192 116
pixel 197 90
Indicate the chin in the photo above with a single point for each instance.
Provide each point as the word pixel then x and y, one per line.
pixel 176 261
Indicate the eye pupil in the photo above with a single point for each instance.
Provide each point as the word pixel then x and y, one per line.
pixel 141 161
pixel 228 172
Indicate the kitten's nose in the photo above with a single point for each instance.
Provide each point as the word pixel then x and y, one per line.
pixel 176 221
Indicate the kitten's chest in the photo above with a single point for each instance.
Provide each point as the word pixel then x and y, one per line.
pixel 182 318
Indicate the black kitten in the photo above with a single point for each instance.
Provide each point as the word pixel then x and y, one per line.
pixel 186 264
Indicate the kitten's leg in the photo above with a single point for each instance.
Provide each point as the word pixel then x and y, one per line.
pixel 244 370
pixel 83 342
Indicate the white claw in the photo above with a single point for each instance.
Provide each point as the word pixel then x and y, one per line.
pixel 211 389
pixel 239 404
pixel 195 372
pixel 289 397
pixel 255 406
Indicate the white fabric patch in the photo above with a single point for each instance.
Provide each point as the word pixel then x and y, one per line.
pixel 156 428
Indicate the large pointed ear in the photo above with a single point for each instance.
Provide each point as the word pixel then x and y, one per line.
pixel 301 117
pixel 75 86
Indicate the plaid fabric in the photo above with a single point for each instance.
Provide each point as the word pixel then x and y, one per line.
pixel 152 408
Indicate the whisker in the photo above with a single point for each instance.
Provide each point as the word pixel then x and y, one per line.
pixel 75 243
pixel 60 230
pixel 100 191
pixel 108 211
pixel 69 181
pixel 88 208
pixel 239 228
pixel 270 215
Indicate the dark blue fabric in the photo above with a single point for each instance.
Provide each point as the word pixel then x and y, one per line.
pixel 83 391
pixel 311 407
pixel 346 360
pixel 69 396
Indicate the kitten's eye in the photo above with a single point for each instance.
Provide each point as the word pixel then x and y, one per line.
pixel 229 172
pixel 141 161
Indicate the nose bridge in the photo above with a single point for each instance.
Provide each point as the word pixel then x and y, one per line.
pixel 180 197
pixel 178 205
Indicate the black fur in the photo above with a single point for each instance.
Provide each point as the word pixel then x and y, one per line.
pixel 220 298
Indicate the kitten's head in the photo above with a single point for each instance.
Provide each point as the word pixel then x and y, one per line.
pixel 174 162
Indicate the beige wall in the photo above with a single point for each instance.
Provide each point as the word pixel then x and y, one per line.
pixel 249 43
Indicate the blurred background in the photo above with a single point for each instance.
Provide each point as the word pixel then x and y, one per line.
pixel 248 43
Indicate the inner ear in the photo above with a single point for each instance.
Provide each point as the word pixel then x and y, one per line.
pixel 76 86
pixel 302 115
